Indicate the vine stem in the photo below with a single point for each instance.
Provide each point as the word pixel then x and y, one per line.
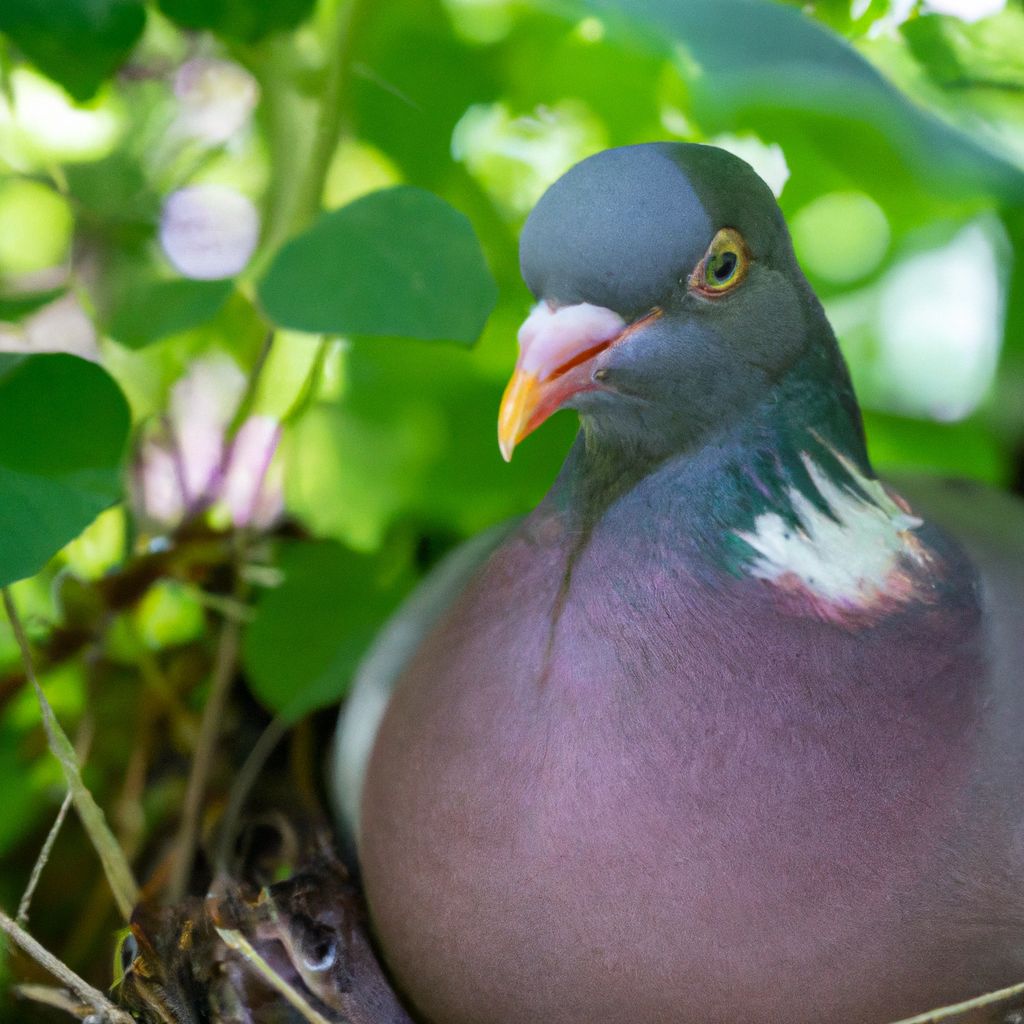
pixel 44 856
pixel 225 663
pixel 300 164
pixel 329 121
pixel 115 864
pixel 95 999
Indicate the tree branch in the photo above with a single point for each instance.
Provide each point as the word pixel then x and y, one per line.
pixel 99 1003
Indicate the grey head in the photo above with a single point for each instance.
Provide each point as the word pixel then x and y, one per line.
pixel 669 301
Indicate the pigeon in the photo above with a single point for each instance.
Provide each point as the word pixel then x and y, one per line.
pixel 727 728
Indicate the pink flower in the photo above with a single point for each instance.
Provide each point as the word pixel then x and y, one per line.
pixel 186 464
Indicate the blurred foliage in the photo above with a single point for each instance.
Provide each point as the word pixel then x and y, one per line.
pixel 310 432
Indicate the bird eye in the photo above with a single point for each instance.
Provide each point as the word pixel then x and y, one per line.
pixel 723 266
pixel 127 951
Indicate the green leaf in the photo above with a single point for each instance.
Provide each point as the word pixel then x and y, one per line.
pixel 957 54
pixel 15 308
pixel 63 426
pixel 150 310
pixel 241 20
pixel 78 43
pixel 396 262
pixel 754 65
pixel 309 634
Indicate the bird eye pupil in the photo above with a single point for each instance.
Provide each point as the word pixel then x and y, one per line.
pixel 129 951
pixel 723 266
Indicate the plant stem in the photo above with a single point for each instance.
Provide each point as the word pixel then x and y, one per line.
pixel 331 115
pixel 286 113
pixel 42 956
pixel 44 856
pixel 300 164
pixel 115 865
pixel 225 663
pixel 252 384
pixel 240 944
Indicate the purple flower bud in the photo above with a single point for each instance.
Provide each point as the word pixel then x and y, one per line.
pixel 209 232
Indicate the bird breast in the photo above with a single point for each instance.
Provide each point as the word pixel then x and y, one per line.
pixel 613 785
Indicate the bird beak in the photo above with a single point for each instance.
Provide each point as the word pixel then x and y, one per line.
pixel 557 350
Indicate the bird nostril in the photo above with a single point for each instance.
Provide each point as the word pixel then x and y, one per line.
pixel 601 374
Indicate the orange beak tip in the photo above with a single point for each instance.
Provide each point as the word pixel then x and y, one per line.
pixel 518 405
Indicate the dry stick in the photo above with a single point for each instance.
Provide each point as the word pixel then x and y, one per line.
pixel 240 944
pixel 44 856
pixel 945 1012
pixel 51 995
pixel 115 865
pixel 42 956
pixel 209 727
pixel 82 743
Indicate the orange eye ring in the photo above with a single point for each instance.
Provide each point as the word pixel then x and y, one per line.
pixel 723 266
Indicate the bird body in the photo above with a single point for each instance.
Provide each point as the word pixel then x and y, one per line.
pixel 726 728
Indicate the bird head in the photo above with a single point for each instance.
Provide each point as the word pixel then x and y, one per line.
pixel 669 300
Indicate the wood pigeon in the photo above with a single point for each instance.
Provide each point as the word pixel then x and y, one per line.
pixel 727 728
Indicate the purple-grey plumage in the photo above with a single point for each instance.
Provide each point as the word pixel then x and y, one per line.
pixel 725 729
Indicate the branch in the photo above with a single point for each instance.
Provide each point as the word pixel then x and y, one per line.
pixel 955 1010
pixel 99 1003
pixel 115 865
pixel 44 856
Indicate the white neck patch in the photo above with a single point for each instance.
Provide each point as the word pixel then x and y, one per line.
pixel 857 559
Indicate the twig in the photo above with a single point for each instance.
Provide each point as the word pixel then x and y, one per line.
pixel 188 833
pixel 115 865
pixel 51 995
pixel 240 944
pixel 82 743
pixel 42 956
pixel 44 856
pixel 944 1012
pixel 247 775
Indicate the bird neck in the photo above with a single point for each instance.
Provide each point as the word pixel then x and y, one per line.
pixel 785 495
pixel 807 427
